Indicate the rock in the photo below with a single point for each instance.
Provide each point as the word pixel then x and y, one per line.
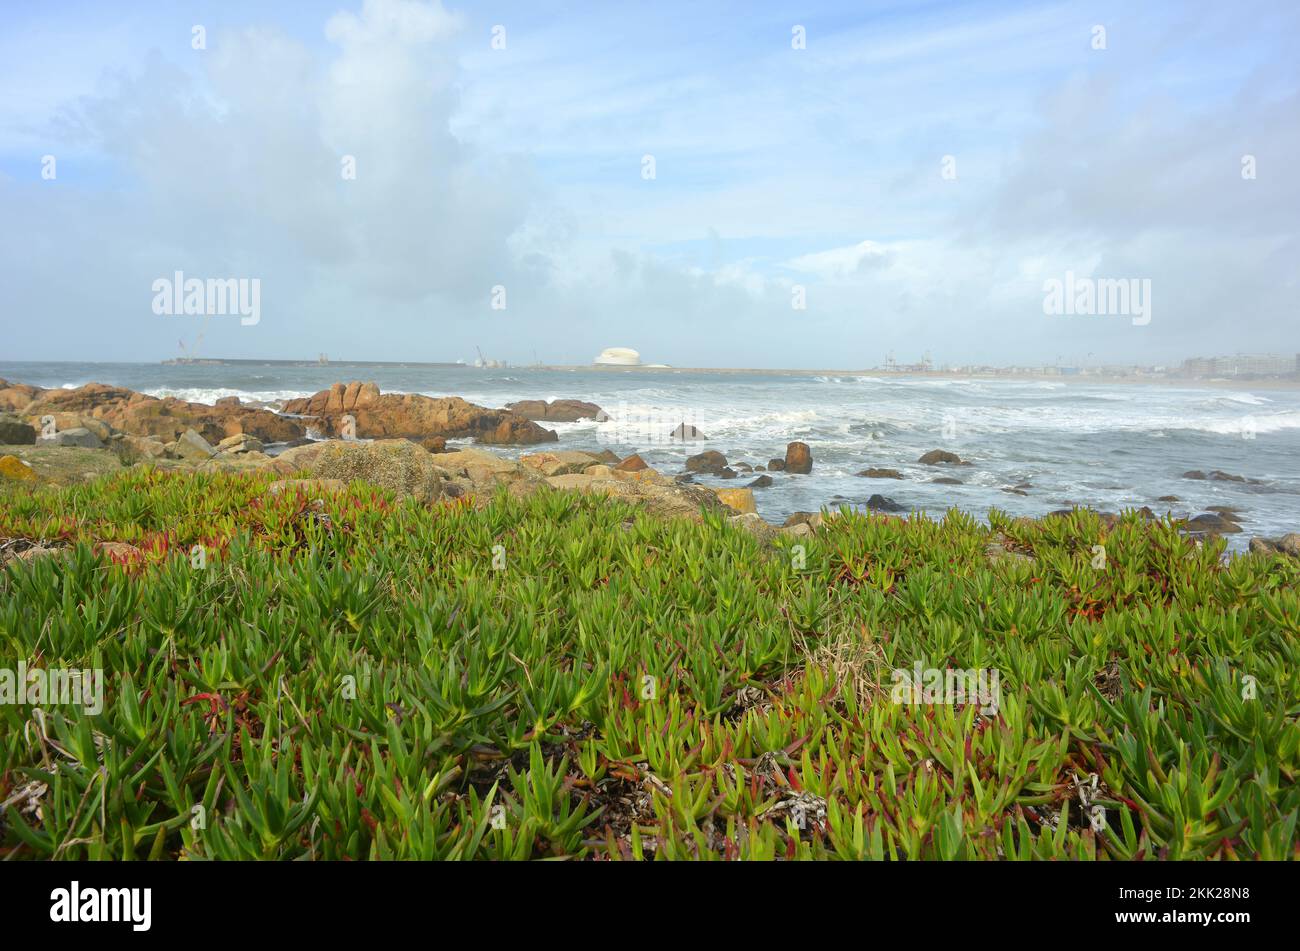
pixel 647 475
pixel 633 463
pixel 1022 485
pixel 398 465
pixel 228 402
pixel 192 446
pixel 516 431
pixel 685 478
pixel 483 467
pixel 708 461
pixel 798 518
pixel 1264 546
pixel 762 482
pixel 241 442
pixel 433 443
pixel 1011 491
pixel 798 530
pixel 414 416
pixel 15 470
pixel 947 480
pixel 16 397
pixel 80 437
pixel 881 503
pixel 1212 524
pixel 880 474
pixel 760 468
pixel 742 467
pixel 608 456
pixel 599 471
pixel 941 457
pixel 560 462
pixel 742 500
pixel 15 432
pixel 1169 498
pixel 726 472
pixel 1228 510
pixel 798 458
pixel 1215 475
pixel 1289 544
pixel 685 432
pixel 132 449
pixel 667 500
pixel 557 411
pixel 776 465
pixel 753 523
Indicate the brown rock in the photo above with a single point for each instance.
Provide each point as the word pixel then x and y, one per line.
pixel 742 500
pixel 881 474
pixel 633 463
pixel 708 461
pixel 941 456
pixel 557 411
pixel 15 432
pixel 15 470
pixel 776 465
pixel 798 458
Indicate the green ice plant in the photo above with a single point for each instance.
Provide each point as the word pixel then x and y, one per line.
pixel 353 679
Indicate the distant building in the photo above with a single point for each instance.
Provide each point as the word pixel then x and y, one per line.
pixel 618 357
pixel 1240 365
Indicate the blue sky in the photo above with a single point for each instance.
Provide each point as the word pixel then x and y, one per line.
pixel 775 169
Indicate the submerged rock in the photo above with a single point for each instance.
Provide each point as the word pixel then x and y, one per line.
pixel 942 457
pixel 880 474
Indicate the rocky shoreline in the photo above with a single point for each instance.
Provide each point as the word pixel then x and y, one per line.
pixel 399 441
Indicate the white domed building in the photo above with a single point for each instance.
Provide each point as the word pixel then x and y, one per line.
pixel 618 357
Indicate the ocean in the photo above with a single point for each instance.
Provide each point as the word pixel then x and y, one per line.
pixel 1108 445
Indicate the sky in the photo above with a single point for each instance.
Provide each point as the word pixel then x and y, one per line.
pixel 805 185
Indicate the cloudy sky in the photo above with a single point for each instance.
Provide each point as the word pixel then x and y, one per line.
pixel 673 177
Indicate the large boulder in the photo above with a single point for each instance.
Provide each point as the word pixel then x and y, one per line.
pixel 708 461
pixel 1212 524
pixel 395 464
pixel 15 470
pixel 15 432
pixel 557 411
pixel 633 463
pixel 741 500
pixel 413 416
pixel 560 462
pixel 937 457
pixel 798 458
pixel 192 446
pixel 80 437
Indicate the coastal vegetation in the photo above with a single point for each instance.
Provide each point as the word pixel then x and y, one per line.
pixel 337 670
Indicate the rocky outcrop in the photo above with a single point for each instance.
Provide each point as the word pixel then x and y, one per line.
pixel 798 458
pixel 557 411
pixel 141 415
pixel 762 482
pixel 15 470
pixel 413 416
pixel 633 463
pixel 15 397
pixel 1217 475
pixel 882 503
